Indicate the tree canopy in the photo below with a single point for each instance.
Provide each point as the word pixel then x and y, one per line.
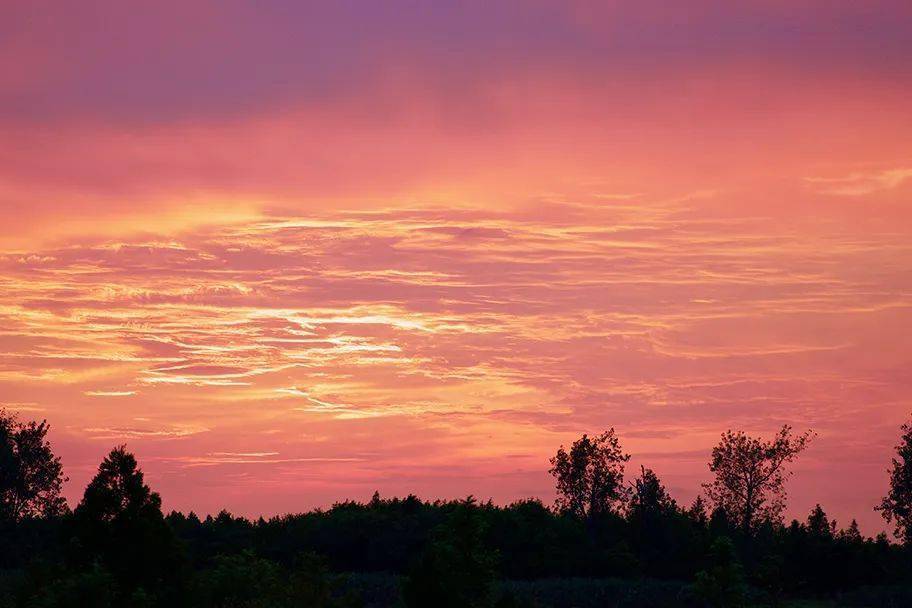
pixel 750 475
pixel 119 523
pixel 590 476
pixel 896 506
pixel 118 491
pixel 31 476
pixel 648 495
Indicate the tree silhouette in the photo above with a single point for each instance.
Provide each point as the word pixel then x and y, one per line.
pixel 118 491
pixel 819 526
pixel 590 477
pixel 616 542
pixel 119 522
pixel 697 512
pixel 31 477
pixel 660 532
pixel 851 534
pixel 750 475
pixel 896 506
pixel 649 497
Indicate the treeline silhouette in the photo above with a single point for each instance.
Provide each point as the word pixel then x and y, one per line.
pixel 608 541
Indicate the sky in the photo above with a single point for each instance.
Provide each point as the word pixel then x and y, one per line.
pixel 291 253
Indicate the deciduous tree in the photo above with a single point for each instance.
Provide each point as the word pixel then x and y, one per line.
pixel 31 477
pixel 896 506
pixel 590 476
pixel 751 473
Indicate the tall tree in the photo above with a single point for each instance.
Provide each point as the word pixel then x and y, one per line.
pixel 590 477
pixel 896 506
pixel 31 477
pixel 120 523
pixel 657 528
pixel 819 526
pixel 751 473
pixel 118 491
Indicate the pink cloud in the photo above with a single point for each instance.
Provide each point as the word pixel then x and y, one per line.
pixel 411 248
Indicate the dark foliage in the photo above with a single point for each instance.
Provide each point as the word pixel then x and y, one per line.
pixel 457 568
pixel 31 477
pixel 750 475
pixel 590 476
pixel 119 525
pixel 244 580
pixel 896 506
pixel 722 584
pixel 639 549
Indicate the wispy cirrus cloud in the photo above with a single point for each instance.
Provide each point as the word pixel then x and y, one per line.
pixel 123 433
pixel 416 248
pixel 861 184
pixel 439 335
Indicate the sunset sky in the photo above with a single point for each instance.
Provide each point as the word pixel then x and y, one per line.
pixel 294 252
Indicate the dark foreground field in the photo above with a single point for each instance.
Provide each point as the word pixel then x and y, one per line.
pixel 383 591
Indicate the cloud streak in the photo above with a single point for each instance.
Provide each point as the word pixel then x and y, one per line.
pixel 321 250
pixel 495 332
